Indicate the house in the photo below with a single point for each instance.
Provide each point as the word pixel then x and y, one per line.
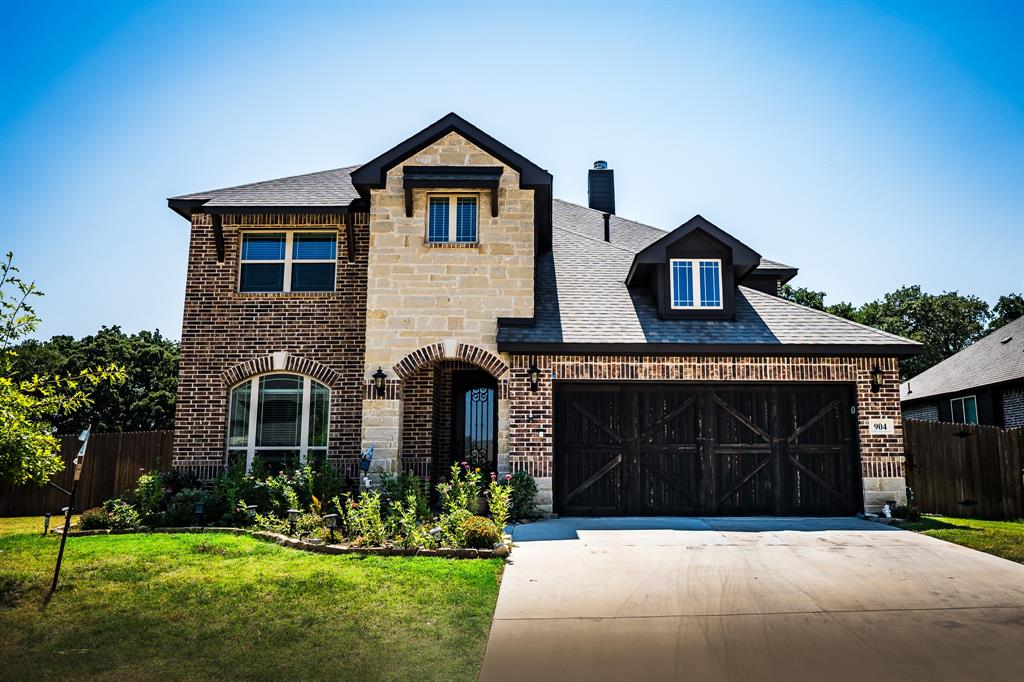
pixel 439 304
pixel 982 384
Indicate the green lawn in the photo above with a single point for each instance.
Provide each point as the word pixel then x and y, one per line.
pixel 1002 538
pixel 225 607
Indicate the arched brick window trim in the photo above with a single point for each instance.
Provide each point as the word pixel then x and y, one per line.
pixel 293 364
pixel 483 359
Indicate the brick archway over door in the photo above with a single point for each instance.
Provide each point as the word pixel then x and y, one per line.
pixel 411 363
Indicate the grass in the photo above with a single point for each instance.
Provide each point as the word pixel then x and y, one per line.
pixel 1002 538
pixel 133 607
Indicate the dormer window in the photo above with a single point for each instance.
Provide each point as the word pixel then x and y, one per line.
pixel 452 219
pixel 696 283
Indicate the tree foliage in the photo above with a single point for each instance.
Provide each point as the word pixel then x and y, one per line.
pixel 1007 309
pixel 944 323
pixel 144 401
pixel 29 448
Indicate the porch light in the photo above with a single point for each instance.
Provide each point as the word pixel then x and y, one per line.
pixel 293 518
pixel 378 381
pixel 533 374
pixel 200 510
pixel 331 522
pixel 876 379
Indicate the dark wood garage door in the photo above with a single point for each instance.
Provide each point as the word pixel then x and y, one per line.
pixel 712 450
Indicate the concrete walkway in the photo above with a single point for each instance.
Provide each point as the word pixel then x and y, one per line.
pixel 752 599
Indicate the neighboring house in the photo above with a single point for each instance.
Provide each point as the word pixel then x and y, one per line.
pixel 982 384
pixel 439 304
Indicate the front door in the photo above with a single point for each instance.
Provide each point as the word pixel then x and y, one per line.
pixel 475 426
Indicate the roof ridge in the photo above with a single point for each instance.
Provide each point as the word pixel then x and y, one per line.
pixel 828 314
pixel 263 182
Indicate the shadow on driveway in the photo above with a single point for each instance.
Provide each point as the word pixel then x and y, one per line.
pixel 571 528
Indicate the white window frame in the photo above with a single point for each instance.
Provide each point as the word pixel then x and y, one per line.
pixel 453 213
pixel 963 408
pixel 289 238
pixel 304 447
pixel 698 301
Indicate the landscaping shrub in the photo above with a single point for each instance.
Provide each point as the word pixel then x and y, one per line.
pixel 452 531
pixel 396 490
pixel 480 533
pixel 121 514
pixel 462 491
pixel 524 492
pixel 366 526
pixel 181 507
pixel 499 500
pixel 150 496
pixel 94 519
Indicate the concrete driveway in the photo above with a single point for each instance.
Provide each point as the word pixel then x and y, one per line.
pixel 752 599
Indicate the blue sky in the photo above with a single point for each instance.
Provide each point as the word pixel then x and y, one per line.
pixel 871 145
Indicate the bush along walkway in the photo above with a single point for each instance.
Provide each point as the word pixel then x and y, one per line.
pixel 302 508
pixel 500 550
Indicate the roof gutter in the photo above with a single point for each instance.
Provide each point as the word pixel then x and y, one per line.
pixel 751 349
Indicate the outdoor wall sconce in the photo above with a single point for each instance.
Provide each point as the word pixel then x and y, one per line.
pixel 378 381
pixel 200 510
pixel 331 522
pixel 293 518
pixel 876 379
pixel 533 374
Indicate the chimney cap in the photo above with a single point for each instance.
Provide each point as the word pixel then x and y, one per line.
pixel 600 165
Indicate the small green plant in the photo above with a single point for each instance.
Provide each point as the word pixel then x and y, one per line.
pixel 405 526
pixel 452 532
pixel 499 498
pixel 462 491
pixel 121 514
pixel 480 533
pixel 365 518
pixel 397 488
pixel 150 496
pixel 94 519
pixel 524 492
pixel 181 507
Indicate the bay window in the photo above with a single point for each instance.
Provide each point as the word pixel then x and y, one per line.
pixel 280 418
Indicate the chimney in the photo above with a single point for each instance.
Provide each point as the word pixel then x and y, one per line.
pixel 607 227
pixel 601 187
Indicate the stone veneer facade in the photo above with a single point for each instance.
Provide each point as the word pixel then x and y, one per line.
pixel 229 336
pixel 446 295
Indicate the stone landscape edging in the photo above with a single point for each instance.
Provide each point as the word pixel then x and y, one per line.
pixel 295 543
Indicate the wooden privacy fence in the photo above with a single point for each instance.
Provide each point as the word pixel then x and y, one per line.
pixel 965 470
pixel 113 464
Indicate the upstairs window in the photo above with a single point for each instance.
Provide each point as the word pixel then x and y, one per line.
pixel 280 418
pixel 288 261
pixel 696 283
pixel 452 219
pixel 965 410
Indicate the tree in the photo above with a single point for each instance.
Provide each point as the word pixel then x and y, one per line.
pixel 1007 309
pixel 143 402
pixel 816 300
pixel 29 450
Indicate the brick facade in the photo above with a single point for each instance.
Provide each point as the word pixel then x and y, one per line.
pixel 1013 407
pixel 928 412
pixel 228 336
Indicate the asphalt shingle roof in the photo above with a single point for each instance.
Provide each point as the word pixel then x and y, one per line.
pixel 582 298
pixel 323 188
pixel 994 359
